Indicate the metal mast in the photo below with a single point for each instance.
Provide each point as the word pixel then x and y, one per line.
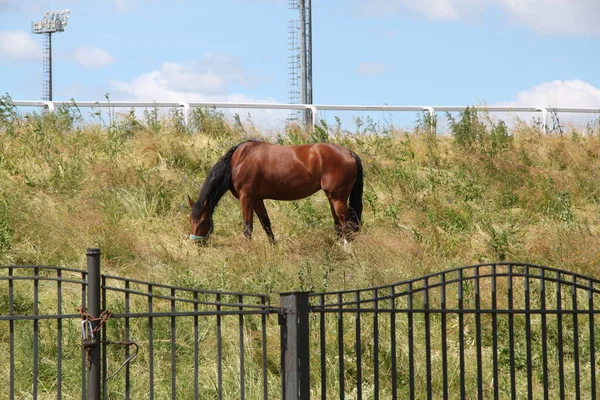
pixel 51 23
pixel 293 64
pixel 300 57
pixel 309 96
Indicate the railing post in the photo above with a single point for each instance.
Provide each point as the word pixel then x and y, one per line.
pixel 313 117
pixel 93 299
pixel 49 106
pixel 186 113
pixel 295 377
pixel 544 119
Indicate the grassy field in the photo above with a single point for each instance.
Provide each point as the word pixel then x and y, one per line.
pixel 485 193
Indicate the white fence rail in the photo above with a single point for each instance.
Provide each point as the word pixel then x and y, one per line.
pixel 313 108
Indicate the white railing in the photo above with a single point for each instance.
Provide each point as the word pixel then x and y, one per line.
pixel 314 108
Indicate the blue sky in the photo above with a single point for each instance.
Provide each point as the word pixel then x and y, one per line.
pixel 396 52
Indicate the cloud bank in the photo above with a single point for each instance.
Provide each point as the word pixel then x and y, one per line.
pixel 19 46
pixel 581 17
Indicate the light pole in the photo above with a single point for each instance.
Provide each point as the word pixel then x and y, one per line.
pixel 52 22
pixel 300 58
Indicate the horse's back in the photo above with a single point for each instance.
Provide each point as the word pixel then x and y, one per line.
pixel 313 157
pixel 279 172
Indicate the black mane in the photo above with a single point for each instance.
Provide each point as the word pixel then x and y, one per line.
pixel 217 183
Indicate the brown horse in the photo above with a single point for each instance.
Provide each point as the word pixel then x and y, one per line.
pixel 254 171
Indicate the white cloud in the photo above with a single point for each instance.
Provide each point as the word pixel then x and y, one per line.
pixel 570 93
pixel 210 76
pixel 208 80
pixel 124 5
pixel 93 57
pixel 439 10
pixel 371 68
pixel 19 46
pixel 581 17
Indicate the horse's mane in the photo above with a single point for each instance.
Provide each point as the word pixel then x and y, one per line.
pixel 216 184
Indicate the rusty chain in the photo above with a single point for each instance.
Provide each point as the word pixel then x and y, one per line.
pixel 101 319
pixel 89 327
pixel 92 325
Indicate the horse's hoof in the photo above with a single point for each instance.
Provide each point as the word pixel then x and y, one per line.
pixel 345 245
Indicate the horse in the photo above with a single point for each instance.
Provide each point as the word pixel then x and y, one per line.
pixel 254 171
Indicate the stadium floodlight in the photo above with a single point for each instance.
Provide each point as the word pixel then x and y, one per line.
pixel 55 21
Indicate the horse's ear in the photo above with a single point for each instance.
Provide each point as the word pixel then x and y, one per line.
pixel 190 201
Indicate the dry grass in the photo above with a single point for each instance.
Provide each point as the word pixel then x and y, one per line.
pixel 430 204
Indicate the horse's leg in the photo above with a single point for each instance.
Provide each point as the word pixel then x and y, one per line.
pixel 336 221
pixel 263 217
pixel 341 210
pixel 247 214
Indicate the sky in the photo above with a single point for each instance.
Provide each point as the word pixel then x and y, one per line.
pixel 373 52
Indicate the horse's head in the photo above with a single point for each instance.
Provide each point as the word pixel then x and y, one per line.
pixel 202 225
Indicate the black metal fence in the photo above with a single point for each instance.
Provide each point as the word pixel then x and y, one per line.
pixel 45 333
pixel 486 331
pixel 130 339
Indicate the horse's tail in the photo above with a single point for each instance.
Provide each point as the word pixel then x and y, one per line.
pixel 356 205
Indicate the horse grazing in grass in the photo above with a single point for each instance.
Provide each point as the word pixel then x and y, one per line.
pixel 254 171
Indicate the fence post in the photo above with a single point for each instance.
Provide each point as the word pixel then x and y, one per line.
pixel 93 294
pixel 295 377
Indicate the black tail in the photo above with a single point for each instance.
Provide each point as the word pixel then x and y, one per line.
pixel 356 205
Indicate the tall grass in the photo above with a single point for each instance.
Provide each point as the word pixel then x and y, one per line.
pixel 487 192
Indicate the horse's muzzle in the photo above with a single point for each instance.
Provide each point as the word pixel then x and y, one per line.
pixel 198 239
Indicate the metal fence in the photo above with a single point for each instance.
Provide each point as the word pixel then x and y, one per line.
pixel 33 324
pixel 486 331
pixel 313 108
pixel 128 338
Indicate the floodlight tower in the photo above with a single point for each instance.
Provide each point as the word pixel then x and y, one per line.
pixel 52 22
pixel 300 58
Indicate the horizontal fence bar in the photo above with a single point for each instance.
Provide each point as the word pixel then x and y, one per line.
pixel 286 106
pixel 453 311
pixel 185 300
pixel 339 107
pixel 472 267
pixel 194 313
pixel 17 317
pixel 438 285
pixel 198 104
pixel 41 278
pixel 314 108
pixel 43 267
pixel 186 289
pixel 51 105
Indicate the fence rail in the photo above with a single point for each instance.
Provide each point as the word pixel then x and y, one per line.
pixel 531 329
pixel 505 330
pixel 189 341
pixel 185 312
pixel 313 108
